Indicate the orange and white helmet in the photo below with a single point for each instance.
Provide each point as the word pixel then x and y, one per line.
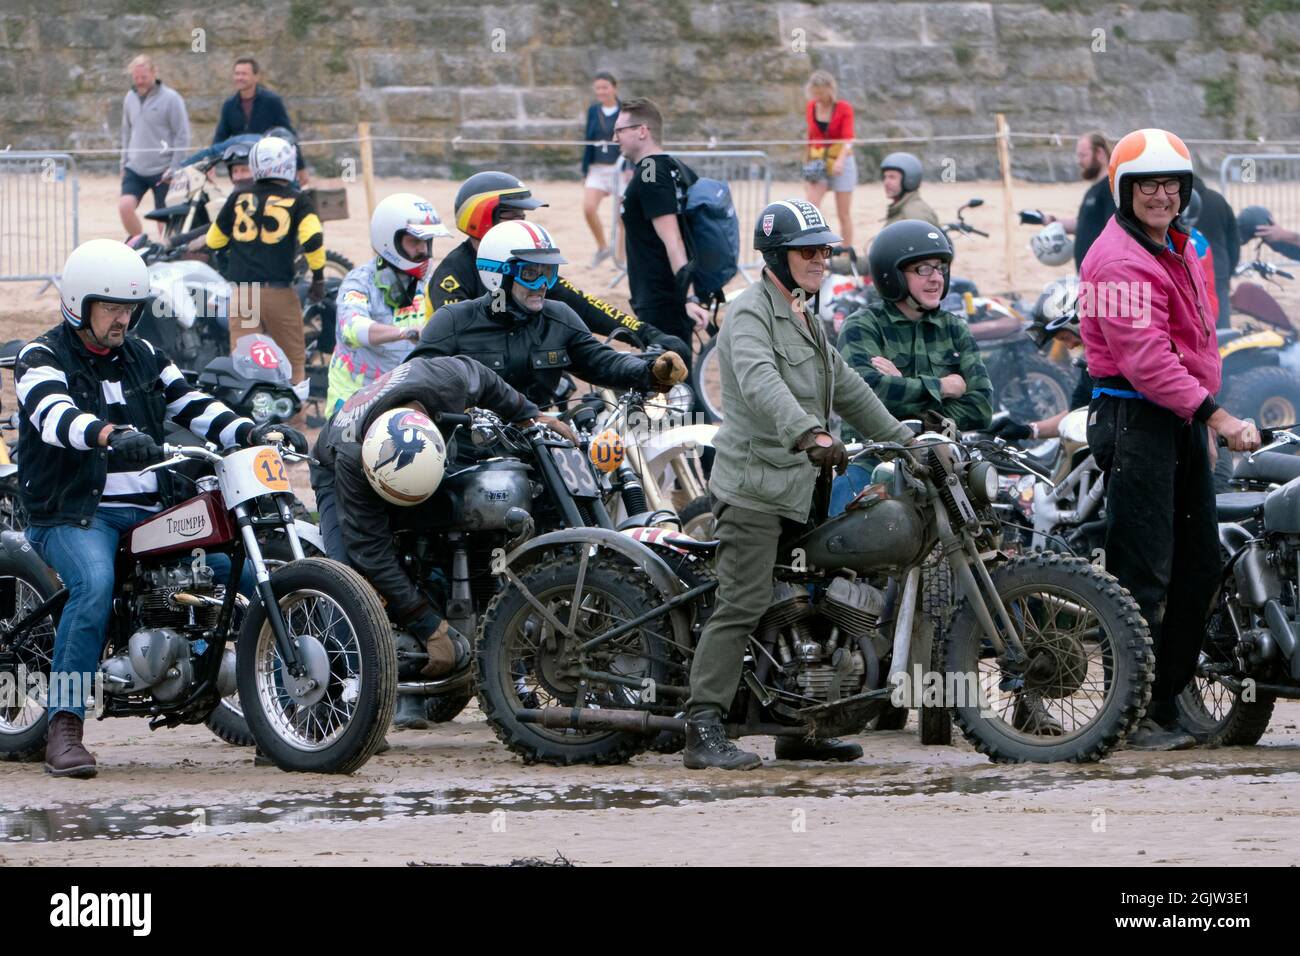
pixel 1144 153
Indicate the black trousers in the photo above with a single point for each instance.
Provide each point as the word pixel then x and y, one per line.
pixel 1162 539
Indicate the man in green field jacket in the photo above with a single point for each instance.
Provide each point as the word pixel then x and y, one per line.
pixel 780 381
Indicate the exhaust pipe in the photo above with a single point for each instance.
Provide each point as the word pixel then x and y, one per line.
pixel 572 718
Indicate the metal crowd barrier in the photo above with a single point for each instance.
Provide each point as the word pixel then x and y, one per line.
pixel 1271 180
pixel 38 214
pixel 747 173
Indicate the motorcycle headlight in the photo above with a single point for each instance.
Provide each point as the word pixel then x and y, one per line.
pixel 883 473
pixel 677 402
pixel 983 482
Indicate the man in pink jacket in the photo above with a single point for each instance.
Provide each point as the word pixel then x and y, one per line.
pixel 1149 334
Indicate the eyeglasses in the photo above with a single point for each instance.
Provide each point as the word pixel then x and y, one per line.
pixel 509 213
pixel 1148 187
pixel 619 129
pixel 925 270
pixel 814 252
pixel 115 310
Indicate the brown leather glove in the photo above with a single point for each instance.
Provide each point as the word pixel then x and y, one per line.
pixel 447 650
pixel 668 370
pixel 824 450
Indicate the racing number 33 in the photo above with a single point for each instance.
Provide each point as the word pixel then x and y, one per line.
pixel 276 217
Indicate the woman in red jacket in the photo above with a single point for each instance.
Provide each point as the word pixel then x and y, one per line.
pixel 830 165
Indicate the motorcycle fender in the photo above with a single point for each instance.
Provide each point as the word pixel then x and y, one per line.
pixel 671 439
pixel 1233 537
pixel 309 533
pixel 18 551
pixel 661 576
pixel 1256 340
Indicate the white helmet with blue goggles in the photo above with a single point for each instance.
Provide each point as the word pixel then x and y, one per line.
pixel 522 250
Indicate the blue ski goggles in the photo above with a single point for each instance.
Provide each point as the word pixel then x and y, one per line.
pixel 530 275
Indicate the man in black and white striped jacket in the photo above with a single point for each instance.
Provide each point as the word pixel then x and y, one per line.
pixel 94 404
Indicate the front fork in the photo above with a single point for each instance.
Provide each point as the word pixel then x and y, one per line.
pixel 977 585
pixel 287 646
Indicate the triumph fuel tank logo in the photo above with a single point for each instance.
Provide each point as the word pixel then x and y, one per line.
pixel 172 527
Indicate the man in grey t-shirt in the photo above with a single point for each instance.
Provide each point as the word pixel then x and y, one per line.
pixel 155 138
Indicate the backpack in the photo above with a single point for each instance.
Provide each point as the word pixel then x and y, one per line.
pixel 712 234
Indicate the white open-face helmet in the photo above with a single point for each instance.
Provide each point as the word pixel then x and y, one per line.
pixel 522 250
pixel 103 270
pixel 403 456
pixel 405 213
pixel 273 158
pixel 1052 245
pixel 1147 153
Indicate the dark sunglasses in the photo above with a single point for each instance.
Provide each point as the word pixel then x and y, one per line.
pixel 809 253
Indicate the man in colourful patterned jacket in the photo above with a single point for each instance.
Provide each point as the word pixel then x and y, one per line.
pixel 383 304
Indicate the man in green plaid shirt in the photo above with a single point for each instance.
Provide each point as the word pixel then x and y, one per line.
pixel 916 356
pixel 911 363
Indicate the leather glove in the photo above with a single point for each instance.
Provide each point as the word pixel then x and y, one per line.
pixel 666 371
pixel 316 291
pixel 825 450
pixel 261 436
pixel 134 447
pixel 1010 430
pixel 448 652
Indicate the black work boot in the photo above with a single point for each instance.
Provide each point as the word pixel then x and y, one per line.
pixel 65 755
pixel 707 746
pixel 824 748
pixel 1149 735
pixel 410 713
pixel 1032 717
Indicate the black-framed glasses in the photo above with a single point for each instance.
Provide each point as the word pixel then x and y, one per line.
pixel 925 270
pixel 619 129
pixel 810 253
pixel 1148 187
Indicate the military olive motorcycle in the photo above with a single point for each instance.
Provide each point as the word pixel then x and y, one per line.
pixel 584 655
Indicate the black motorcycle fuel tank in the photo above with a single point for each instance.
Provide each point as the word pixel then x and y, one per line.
pixel 879 533
pixel 1282 508
pixel 480 495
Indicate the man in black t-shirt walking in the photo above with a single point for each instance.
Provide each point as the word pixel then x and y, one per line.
pixel 1093 155
pixel 657 273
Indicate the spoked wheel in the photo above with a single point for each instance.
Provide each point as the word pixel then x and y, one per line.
pixel 332 717
pixel 1088 680
pixel 1208 706
pixel 527 659
pixel 706 381
pixel 22 719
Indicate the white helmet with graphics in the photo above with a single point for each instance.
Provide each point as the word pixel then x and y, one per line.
pixel 410 214
pixel 403 456
pixel 523 251
pixel 1052 245
pixel 273 158
pixel 1148 154
pixel 102 270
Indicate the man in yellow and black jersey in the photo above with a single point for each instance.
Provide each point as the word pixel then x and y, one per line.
pixel 263 225
pixel 488 198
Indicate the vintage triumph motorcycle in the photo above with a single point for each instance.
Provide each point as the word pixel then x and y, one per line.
pixel 311 656
pixel 584 653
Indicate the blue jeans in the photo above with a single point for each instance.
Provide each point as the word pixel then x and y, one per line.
pixel 846 486
pixel 83 559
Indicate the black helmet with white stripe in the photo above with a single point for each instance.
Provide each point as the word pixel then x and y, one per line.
pixel 791 222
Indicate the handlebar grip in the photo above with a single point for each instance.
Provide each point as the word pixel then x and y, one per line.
pixel 980 232
pixel 1284 274
pixel 1265 438
pixel 452 419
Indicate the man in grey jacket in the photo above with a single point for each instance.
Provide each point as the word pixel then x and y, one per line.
pixel 155 138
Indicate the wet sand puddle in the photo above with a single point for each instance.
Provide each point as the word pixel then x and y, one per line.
pixel 135 820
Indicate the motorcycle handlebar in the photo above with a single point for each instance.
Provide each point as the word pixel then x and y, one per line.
pixel 453 419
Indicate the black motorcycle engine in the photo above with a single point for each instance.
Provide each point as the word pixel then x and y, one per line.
pixel 156 605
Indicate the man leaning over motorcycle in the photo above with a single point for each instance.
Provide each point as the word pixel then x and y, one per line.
pixel 780 382
pixel 94 402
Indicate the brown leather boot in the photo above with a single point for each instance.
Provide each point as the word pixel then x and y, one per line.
pixel 64 754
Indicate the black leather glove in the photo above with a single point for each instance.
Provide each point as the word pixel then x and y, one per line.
pixel 134 447
pixel 1011 430
pixel 825 450
pixel 260 436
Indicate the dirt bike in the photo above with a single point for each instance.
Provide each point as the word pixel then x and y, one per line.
pixel 1250 656
pixel 1259 366
pixel 655 475
pixel 585 654
pixel 313 662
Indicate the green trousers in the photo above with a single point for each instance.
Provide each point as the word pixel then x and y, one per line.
pixel 748 544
